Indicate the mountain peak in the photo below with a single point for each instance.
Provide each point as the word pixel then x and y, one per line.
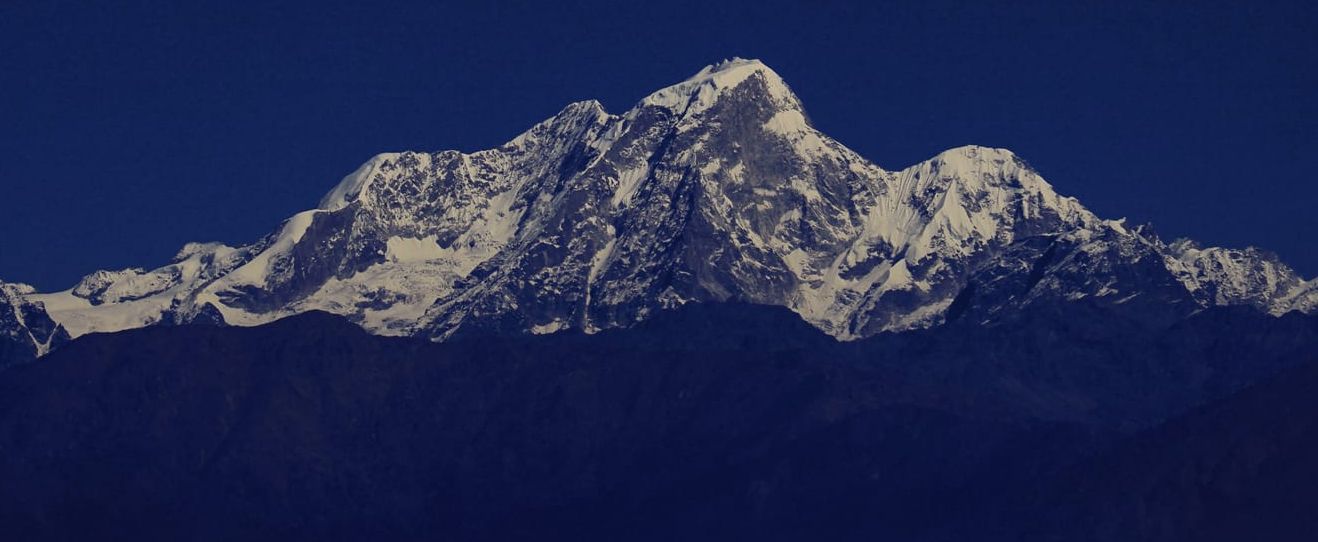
pixel 15 288
pixel 701 90
pixel 734 68
pixel 348 188
pixel 975 153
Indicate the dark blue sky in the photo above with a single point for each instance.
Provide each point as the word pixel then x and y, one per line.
pixel 126 131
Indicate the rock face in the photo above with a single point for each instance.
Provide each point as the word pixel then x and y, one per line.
pixel 714 189
pixel 26 331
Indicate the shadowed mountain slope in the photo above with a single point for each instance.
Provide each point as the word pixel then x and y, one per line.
pixel 711 421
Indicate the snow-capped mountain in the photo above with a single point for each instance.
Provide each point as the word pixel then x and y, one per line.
pixel 717 188
pixel 1249 276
